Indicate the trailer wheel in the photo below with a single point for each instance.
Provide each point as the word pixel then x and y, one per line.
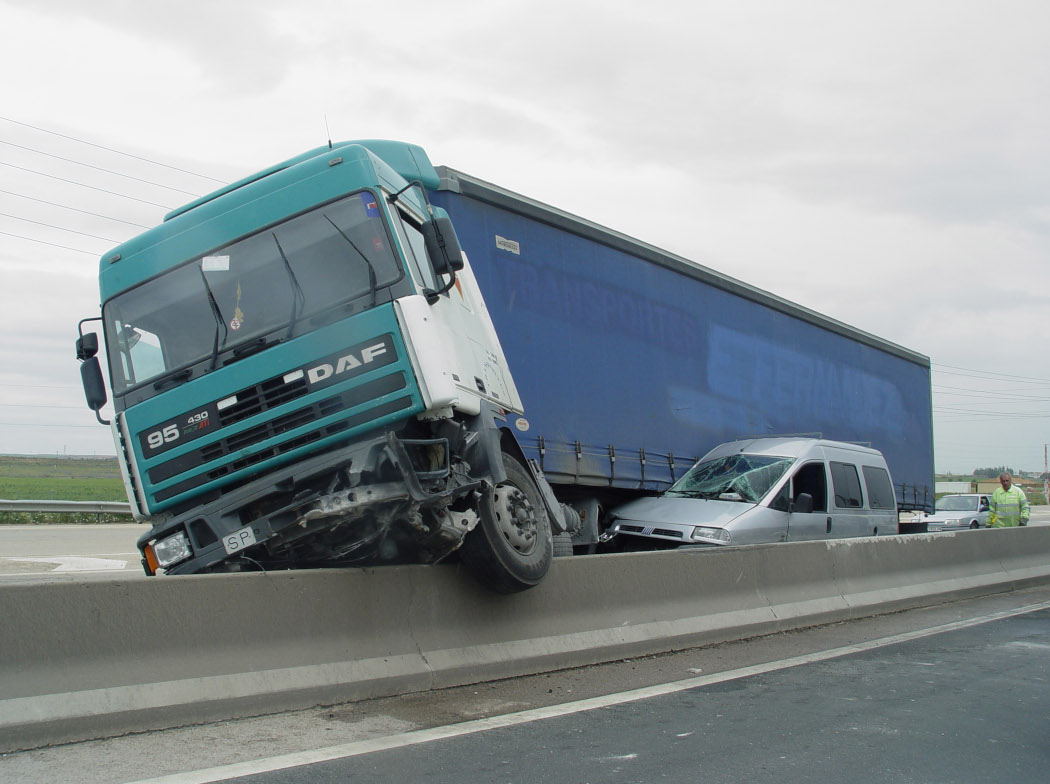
pixel 563 545
pixel 511 548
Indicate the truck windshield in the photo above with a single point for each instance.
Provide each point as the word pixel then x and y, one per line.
pixel 331 256
pixel 734 478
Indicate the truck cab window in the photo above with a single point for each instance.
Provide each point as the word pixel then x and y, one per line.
pixel 415 249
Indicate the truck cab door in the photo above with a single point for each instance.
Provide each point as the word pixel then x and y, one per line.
pixel 454 325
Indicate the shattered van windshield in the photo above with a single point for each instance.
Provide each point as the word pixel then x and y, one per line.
pixel 733 478
pixel 231 296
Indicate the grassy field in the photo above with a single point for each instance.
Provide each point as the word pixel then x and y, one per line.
pixel 60 479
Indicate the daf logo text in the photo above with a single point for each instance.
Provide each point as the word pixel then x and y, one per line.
pixel 346 362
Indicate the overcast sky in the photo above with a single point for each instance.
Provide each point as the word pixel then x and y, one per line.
pixel 886 163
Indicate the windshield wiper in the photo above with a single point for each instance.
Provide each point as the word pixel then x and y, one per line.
pixel 247 349
pixel 372 281
pixel 689 493
pixel 173 379
pixel 219 321
pixel 297 296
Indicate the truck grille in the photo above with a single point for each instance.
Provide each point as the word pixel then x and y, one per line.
pixel 262 397
pixel 275 427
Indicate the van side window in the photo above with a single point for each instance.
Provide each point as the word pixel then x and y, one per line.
pixel 880 491
pixel 811 479
pixel 780 500
pixel 847 486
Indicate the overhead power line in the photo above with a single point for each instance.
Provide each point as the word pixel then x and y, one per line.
pixel 999 394
pixel 42 424
pixel 82 185
pixel 110 149
pixel 976 373
pixel 986 400
pixel 52 244
pixel 41 386
pixel 59 228
pixel 37 405
pixel 100 168
pixel 996 414
pixel 74 209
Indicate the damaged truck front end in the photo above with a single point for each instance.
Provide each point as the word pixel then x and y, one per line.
pixel 304 373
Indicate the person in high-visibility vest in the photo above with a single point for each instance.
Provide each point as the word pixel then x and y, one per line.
pixel 1009 504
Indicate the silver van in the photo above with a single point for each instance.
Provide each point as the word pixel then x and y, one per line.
pixel 768 490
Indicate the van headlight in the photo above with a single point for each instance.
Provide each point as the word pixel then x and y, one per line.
pixel 172 550
pixel 720 534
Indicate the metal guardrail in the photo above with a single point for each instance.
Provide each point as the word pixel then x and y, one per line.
pixel 89 507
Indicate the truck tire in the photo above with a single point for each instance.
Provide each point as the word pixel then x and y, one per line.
pixel 511 548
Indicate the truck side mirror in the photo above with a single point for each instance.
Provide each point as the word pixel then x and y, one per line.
pixel 87 346
pixel 90 372
pixel 443 247
pixel 803 504
pixel 94 388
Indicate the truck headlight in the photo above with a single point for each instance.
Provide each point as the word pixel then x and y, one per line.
pixel 172 550
pixel 721 534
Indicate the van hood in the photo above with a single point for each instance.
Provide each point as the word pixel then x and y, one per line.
pixel 682 511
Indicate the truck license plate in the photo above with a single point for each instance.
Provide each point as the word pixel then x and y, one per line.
pixel 239 539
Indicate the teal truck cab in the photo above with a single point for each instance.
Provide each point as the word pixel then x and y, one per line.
pixel 304 373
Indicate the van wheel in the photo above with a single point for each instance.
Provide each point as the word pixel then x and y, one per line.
pixel 511 548
pixel 974 524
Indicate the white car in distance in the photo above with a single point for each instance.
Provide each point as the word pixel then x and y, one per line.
pixel 955 512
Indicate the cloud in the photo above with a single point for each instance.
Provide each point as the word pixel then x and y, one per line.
pixel 880 163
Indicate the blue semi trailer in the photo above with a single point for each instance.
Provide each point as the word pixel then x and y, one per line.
pixel 357 357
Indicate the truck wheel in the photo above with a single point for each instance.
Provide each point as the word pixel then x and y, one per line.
pixel 511 548
pixel 974 524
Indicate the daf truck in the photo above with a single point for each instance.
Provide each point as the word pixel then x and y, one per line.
pixel 357 357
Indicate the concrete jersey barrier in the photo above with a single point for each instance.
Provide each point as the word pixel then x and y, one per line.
pixel 100 657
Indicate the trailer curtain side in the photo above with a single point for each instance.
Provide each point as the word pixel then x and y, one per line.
pixel 632 362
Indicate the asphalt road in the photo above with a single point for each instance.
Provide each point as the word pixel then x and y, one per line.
pixel 53 552
pixel 969 705
pixel 957 692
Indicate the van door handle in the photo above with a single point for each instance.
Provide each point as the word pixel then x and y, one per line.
pixel 829 525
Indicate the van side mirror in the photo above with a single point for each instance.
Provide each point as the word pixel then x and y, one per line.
pixel 442 244
pixel 803 504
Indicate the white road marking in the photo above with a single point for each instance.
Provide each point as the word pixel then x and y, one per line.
pixel 74 563
pixel 357 748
